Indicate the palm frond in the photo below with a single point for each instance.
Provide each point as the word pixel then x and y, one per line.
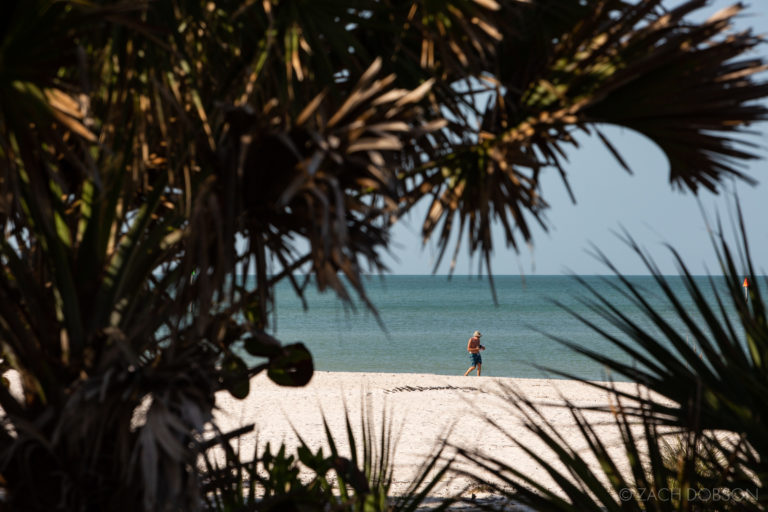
pixel 691 88
pixel 642 473
pixel 710 397
pixel 315 478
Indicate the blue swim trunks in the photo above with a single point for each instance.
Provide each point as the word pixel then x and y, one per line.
pixel 475 359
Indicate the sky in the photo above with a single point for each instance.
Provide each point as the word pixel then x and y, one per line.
pixel 644 204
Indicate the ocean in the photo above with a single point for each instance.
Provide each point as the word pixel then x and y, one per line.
pixel 425 322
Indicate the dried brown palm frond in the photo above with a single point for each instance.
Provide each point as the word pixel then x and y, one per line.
pixel 326 176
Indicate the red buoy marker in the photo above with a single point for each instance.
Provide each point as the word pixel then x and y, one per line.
pixel 746 288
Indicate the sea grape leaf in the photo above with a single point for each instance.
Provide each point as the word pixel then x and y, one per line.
pixel 262 346
pixel 234 376
pixel 292 367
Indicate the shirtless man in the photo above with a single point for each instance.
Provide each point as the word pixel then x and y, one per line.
pixel 474 347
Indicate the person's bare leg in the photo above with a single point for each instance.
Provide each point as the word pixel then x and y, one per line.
pixel 478 369
pixel 470 369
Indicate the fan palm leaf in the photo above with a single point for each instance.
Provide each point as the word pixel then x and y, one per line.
pixel 641 473
pixel 708 392
pixel 611 62
pixel 361 481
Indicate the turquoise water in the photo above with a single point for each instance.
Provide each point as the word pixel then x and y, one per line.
pixel 428 319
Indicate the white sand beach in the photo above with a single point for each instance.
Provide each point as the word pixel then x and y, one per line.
pixel 426 410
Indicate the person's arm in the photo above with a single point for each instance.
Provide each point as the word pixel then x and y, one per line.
pixel 469 345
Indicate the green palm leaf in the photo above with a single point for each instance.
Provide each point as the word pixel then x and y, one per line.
pixel 710 399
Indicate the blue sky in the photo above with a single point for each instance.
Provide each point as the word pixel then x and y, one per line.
pixel 643 203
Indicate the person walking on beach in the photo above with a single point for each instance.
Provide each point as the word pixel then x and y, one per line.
pixel 474 347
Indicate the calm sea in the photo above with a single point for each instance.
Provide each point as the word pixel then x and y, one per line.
pixel 426 321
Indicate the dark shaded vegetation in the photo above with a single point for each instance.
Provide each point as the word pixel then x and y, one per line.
pixel 693 438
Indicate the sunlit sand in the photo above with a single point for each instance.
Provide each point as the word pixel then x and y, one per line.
pixel 426 410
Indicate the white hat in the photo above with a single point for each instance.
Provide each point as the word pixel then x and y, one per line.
pixel 476 334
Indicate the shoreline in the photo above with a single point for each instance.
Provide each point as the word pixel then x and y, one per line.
pixel 459 375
